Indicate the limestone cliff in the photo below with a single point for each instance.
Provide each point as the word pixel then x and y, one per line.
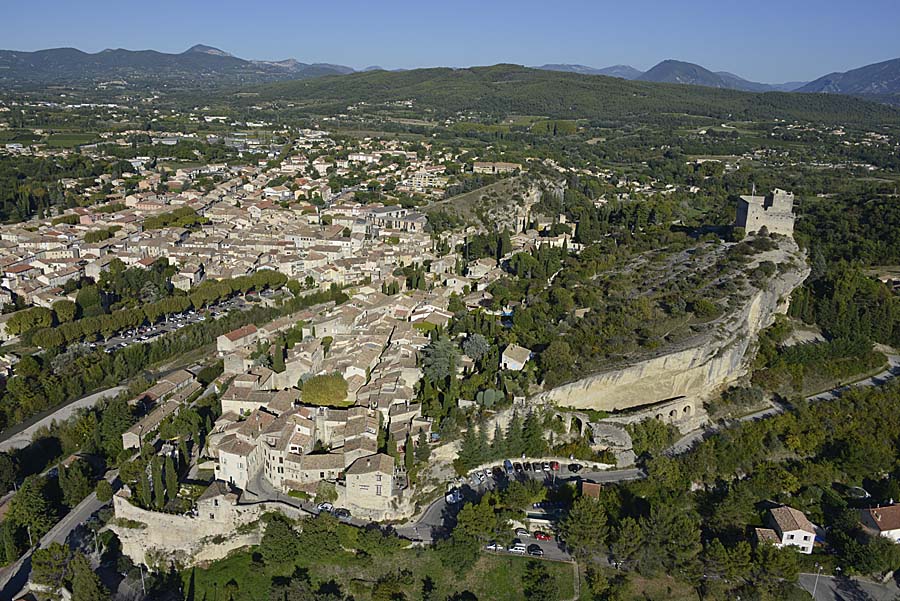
pixel 707 362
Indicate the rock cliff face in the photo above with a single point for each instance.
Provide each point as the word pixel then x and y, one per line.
pixel 710 361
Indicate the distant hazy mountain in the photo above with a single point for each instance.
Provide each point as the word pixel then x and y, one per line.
pixel 620 71
pixel 874 79
pixel 198 63
pixel 672 71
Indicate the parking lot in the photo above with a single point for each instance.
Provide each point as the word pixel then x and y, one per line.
pixel 546 514
pixel 172 323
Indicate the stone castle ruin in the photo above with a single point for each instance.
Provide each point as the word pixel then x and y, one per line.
pixel 773 212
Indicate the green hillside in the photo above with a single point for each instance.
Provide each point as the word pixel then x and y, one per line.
pixel 510 89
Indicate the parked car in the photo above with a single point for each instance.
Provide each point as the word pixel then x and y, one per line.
pixel 527 466
pixel 498 473
pixel 546 467
pixel 480 476
pixel 541 535
pixel 521 532
pixel 518 467
pixel 536 466
pixel 325 507
pixel 494 546
pixel 453 496
pixel 574 467
pixel 517 547
pixel 535 551
pixel 342 514
pixel 486 472
pixel 508 466
pixel 554 465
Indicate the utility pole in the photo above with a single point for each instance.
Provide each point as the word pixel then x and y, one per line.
pixel 816 583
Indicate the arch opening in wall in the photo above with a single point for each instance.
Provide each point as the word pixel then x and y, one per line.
pixel 686 410
pixel 577 425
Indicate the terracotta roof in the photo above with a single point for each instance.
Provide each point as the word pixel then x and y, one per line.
pixel 767 535
pixel 788 519
pixel 884 518
pixel 371 464
pixel 239 333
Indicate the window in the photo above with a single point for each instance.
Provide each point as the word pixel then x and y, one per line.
pixel 806 538
pixel 212 516
pixel 321 475
pixel 378 490
pixel 378 478
pixel 790 537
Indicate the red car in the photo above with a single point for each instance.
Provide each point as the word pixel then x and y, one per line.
pixel 554 465
pixel 541 535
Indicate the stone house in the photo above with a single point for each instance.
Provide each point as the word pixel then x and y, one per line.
pixel 235 339
pixel 370 482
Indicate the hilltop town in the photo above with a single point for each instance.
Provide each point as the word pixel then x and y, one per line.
pixel 382 342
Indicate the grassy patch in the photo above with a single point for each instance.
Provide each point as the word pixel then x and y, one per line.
pixel 494 577
pixel 70 140
pixel 659 589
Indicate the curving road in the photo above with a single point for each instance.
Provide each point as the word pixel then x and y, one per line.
pixel 20 435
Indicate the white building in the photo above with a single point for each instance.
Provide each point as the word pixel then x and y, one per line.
pixel 790 528
pixel 883 520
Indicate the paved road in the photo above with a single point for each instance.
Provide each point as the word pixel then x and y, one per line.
pixel 686 442
pixel 20 435
pixel 830 588
pixel 14 578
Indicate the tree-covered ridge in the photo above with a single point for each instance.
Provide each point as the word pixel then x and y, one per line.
pixel 512 89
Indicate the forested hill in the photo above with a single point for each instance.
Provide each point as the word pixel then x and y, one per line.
pixel 512 89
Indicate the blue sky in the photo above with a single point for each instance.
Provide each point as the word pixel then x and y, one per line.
pixel 763 40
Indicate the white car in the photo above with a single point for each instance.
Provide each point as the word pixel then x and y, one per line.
pixel 494 546
pixel 518 547
pixel 325 507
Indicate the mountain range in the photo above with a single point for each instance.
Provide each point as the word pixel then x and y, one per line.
pixel 672 71
pixel 198 63
pixel 209 65
pixel 505 89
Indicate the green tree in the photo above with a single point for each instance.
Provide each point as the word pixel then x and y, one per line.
pixel 628 542
pixel 86 585
pixel 171 478
pixel 671 539
pixel 538 584
pixel 75 482
pixel 328 390
pixel 64 310
pixel 104 491
pixel 439 359
pixel 159 490
pixel 30 509
pixel 50 567
pixel 585 528
pixel 476 346
pixel 280 544
pixel 423 451
pixel 7 473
